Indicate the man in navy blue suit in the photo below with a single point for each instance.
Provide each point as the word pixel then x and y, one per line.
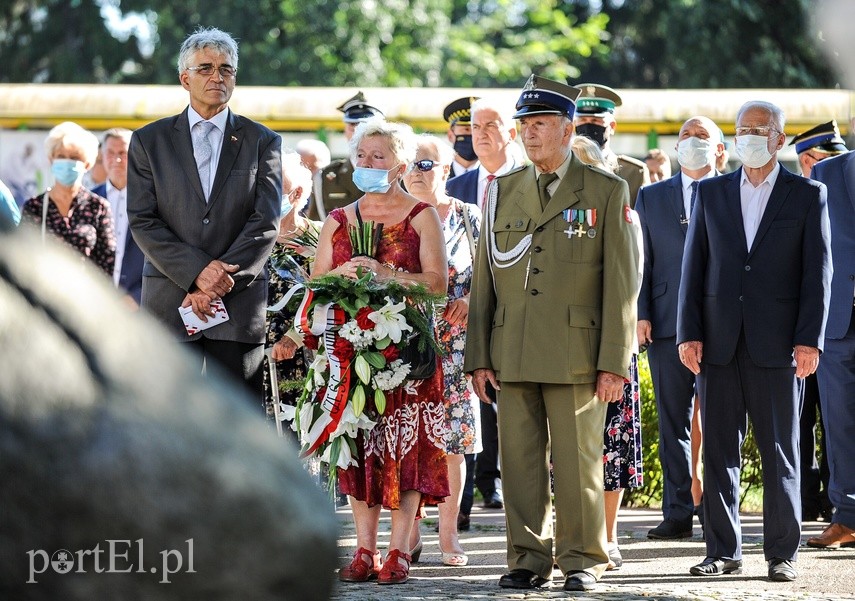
pixel 753 302
pixel 664 209
pixel 837 371
pixel 493 134
pixel 127 274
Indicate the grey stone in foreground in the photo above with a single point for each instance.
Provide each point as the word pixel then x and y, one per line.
pixel 126 475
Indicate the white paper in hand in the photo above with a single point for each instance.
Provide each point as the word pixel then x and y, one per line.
pixel 193 324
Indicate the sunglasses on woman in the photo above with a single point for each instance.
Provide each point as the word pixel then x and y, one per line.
pixel 426 164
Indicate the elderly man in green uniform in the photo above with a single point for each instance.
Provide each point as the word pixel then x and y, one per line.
pixel 335 188
pixel 595 119
pixel 551 323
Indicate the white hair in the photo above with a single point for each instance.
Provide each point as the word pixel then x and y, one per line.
pixel 207 38
pixel 315 148
pixel 776 115
pixel 504 110
pixel 297 174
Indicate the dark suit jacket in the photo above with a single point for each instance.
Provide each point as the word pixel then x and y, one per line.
pixel 776 292
pixel 181 234
pixel 130 276
pixel 838 173
pixel 336 188
pixel 660 207
pixel 464 187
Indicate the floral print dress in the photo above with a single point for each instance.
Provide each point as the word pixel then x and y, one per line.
pixel 406 449
pixel 622 453
pixel 461 403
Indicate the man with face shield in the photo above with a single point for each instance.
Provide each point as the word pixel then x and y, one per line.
pixel 595 119
pixel 665 209
pixel 458 116
pixel 752 307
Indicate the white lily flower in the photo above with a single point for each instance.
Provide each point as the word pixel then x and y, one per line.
pixel 345 458
pixel 389 321
pixel 349 424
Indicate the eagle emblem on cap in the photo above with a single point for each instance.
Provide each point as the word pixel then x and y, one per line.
pixel 591 91
pixel 531 84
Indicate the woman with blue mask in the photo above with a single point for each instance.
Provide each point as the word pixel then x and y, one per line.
pixel 401 462
pixel 68 211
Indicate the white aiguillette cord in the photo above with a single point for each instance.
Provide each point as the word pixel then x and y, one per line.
pixel 500 259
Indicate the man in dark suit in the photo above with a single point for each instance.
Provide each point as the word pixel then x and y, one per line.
pixel 551 328
pixel 815 145
pixel 751 317
pixel 335 187
pixel 204 194
pixel 664 210
pixel 127 274
pixel 837 371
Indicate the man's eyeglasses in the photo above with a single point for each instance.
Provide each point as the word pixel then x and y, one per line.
pixel 226 71
pixel 763 130
pixel 426 164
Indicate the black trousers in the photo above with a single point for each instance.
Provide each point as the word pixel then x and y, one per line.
pixel 243 361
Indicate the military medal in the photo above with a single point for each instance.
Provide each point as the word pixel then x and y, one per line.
pixel 591 219
pixel 576 219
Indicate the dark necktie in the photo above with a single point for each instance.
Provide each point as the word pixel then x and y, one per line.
pixel 543 182
pixel 692 198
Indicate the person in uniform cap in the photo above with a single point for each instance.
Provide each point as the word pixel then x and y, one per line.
pixel 558 261
pixel 818 143
pixel 813 146
pixel 336 182
pixel 595 119
pixel 459 119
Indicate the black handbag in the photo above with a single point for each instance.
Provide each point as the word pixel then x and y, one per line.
pixel 422 362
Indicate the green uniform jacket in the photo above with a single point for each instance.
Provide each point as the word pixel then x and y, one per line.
pixel 576 315
pixel 635 173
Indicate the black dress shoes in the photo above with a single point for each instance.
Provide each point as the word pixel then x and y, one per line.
pixel 494 501
pixel 782 570
pixel 671 529
pixel 522 578
pixel 579 581
pixel 714 566
pixel 463 522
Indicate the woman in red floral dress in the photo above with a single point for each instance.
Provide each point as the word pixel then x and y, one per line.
pixel 402 459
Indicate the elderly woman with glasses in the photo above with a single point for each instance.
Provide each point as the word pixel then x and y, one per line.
pixel 461 225
pixel 402 460
pixel 68 211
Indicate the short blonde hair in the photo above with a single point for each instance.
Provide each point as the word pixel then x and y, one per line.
pixel 402 140
pixel 70 135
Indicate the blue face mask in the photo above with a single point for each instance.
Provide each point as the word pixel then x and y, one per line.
pixel 67 171
pixel 371 180
pixel 286 205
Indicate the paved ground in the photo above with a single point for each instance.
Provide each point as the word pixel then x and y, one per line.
pixel 652 570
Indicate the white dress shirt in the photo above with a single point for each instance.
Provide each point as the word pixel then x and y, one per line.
pixel 754 201
pixel 687 190
pixel 119 205
pixel 215 138
pixel 482 179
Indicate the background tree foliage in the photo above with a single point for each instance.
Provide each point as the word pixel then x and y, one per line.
pixel 477 43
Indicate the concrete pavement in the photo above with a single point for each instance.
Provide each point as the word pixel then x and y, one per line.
pixel 652 569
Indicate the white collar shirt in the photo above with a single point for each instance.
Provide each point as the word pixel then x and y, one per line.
pixel 119 210
pixel 483 179
pixel 687 190
pixel 754 200
pixel 215 137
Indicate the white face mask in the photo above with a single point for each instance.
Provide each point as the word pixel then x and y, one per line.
pixel 753 151
pixel 695 153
